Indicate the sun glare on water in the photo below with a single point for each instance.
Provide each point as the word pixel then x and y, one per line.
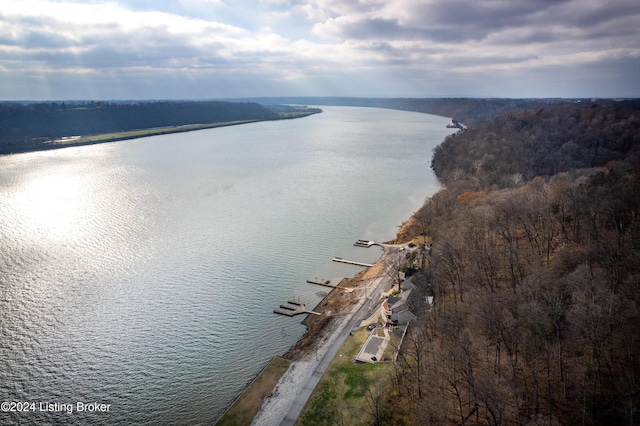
pixel 53 204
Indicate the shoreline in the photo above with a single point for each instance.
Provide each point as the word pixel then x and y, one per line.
pixel 142 133
pixel 303 356
pixel 339 308
pixel 313 353
pixel 333 306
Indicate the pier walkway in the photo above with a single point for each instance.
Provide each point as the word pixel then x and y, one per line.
pixel 351 262
pixel 326 283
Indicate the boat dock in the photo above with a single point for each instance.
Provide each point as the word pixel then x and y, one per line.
pixel 326 283
pixel 293 307
pixel 351 262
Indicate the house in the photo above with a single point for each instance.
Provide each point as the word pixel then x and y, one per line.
pixel 395 310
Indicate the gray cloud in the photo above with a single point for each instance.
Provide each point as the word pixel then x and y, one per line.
pixel 319 47
pixel 468 20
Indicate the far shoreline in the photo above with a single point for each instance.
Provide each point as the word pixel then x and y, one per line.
pixel 143 133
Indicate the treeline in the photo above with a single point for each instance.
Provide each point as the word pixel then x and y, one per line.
pixel 29 126
pixel 542 142
pixel 535 273
pixel 466 110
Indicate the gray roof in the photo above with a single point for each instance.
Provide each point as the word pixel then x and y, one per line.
pixel 402 317
pixel 400 313
pixel 397 302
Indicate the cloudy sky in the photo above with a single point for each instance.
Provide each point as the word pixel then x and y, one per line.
pixel 184 49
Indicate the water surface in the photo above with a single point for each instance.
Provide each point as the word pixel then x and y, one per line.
pixel 143 274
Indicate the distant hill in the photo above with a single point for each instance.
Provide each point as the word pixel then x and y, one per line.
pixel 543 142
pixel 465 110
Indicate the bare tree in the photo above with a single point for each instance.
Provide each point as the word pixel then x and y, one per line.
pixel 375 407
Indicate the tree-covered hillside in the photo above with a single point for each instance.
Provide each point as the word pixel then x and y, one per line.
pixel 543 142
pixel 466 110
pixel 535 272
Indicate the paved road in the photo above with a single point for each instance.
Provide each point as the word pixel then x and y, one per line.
pixel 363 312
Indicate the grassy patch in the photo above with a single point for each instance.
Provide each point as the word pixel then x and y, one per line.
pixel 244 409
pixel 345 391
pixel 293 114
pixel 133 134
pixel 106 137
pixel 355 378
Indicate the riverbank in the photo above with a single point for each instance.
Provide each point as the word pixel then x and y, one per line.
pixel 323 337
pixel 298 360
pixel 333 306
pixel 141 133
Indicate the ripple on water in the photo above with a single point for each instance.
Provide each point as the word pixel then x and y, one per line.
pixel 143 274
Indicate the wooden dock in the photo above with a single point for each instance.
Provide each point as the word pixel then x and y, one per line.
pixel 326 283
pixel 351 262
pixel 293 307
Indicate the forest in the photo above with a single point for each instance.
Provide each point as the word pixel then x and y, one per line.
pixel 30 126
pixel 535 273
pixel 466 110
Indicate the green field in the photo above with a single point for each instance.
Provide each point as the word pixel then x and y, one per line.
pixel 141 133
pixel 133 134
pixel 348 393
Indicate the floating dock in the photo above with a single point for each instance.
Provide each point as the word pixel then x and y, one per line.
pixel 293 307
pixel 363 243
pixel 351 262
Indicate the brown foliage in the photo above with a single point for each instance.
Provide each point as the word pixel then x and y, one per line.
pixel 562 137
pixel 537 291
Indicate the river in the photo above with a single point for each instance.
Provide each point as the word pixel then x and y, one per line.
pixel 142 275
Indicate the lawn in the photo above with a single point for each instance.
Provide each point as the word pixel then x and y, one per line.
pixel 347 393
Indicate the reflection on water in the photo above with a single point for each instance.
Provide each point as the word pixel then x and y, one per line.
pixel 143 274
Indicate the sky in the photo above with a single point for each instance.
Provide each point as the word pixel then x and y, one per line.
pixel 212 49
